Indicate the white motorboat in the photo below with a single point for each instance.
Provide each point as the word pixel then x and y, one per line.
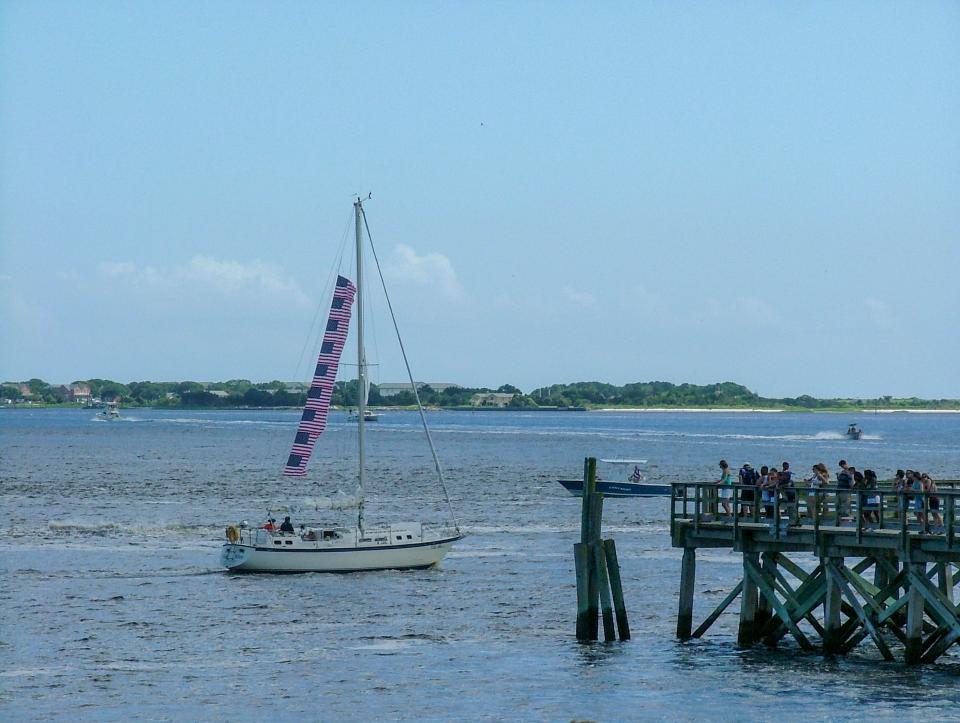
pixel 109 412
pixel 321 548
pixel 853 431
pixel 368 416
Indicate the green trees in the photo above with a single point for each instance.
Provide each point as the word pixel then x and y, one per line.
pixel 11 392
pixel 244 393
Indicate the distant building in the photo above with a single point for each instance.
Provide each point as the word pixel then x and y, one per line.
pixel 80 393
pixel 219 393
pixel 392 389
pixel 491 399
pixel 25 391
pixel 295 387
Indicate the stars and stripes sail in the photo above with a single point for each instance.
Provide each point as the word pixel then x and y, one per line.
pixel 314 419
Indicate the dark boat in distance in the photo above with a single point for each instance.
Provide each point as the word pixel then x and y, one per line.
pixel 853 431
pixel 620 483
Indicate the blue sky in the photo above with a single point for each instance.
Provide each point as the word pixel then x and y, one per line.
pixel 764 193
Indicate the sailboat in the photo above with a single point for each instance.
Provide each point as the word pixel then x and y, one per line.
pixel 354 548
pixel 368 414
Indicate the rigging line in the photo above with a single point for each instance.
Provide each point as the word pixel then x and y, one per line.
pixel 413 384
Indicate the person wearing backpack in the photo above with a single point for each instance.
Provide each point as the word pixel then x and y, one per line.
pixel 748 480
pixel 844 484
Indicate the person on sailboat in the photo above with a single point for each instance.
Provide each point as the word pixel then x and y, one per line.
pixel 637 474
pixel 270 526
pixel 286 525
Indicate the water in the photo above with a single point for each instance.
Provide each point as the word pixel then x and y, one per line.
pixel 113 605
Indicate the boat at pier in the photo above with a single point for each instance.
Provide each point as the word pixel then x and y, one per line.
pixel 339 548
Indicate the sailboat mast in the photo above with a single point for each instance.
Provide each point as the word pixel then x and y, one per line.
pixel 361 365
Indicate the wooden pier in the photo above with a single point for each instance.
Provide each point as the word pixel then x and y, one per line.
pixel 827 581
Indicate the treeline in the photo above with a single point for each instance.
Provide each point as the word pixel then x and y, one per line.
pixel 244 393
pixel 235 393
pixel 725 394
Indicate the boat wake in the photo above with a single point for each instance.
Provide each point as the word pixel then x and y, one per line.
pixel 625 434
pixel 105 529
pixel 219 422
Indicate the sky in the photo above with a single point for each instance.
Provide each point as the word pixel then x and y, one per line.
pixel 764 193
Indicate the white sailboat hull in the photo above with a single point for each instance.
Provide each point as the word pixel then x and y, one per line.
pixel 264 552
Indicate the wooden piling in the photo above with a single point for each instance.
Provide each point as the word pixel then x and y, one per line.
pixel 945 579
pixel 587 577
pixel 688 575
pixel 764 610
pixel 747 632
pixel 832 637
pixel 914 645
pixel 606 603
pixel 599 587
pixel 581 559
pixel 616 587
pixel 589 490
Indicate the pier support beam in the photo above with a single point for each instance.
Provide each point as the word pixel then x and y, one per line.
pixel 688 576
pixel 832 635
pixel 914 632
pixel 914 651
pixel 945 579
pixel 747 632
pixel 764 609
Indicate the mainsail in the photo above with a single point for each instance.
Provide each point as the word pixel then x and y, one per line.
pixel 314 419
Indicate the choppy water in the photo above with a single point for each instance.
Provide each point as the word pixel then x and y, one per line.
pixel 113 605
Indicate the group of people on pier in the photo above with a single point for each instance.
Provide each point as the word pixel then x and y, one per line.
pixel 764 487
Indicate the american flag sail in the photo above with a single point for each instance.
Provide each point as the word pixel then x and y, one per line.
pixel 314 419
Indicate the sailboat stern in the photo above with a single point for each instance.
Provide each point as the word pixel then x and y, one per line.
pixel 234 556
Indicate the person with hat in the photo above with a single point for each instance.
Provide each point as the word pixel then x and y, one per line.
pixel 286 525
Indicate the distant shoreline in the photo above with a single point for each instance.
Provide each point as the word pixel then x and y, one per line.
pixel 862 412
pixel 603 410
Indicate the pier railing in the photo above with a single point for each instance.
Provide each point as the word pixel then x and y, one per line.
pixel 858 511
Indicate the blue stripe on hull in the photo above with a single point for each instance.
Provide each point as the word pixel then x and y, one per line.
pixel 326 572
pixel 359 549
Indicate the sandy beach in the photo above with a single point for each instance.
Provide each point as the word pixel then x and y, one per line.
pixel 751 410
